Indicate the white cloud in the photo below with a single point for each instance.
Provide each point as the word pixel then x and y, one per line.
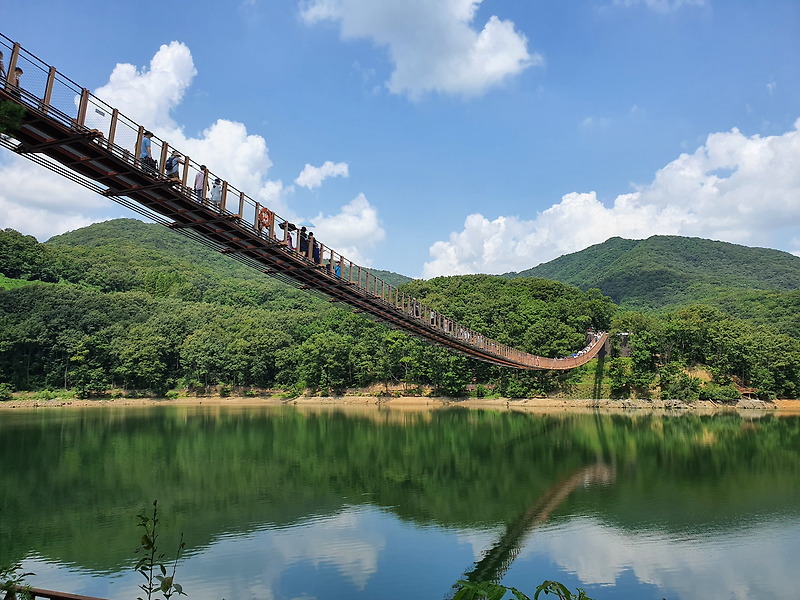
pixel 433 45
pixel 38 202
pixel 312 177
pixel 273 195
pixel 662 6
pixel 148 96
pixel 229 151
pixel 594 123
pixel 351 232
pixel 734 188
pixel 320 542
pixel 43 204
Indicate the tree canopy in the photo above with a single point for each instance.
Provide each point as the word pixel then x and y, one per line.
pixel 125 305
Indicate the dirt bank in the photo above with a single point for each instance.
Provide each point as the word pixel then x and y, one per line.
pixel 548 405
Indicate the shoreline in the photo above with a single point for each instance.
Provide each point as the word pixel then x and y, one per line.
pixel 548 405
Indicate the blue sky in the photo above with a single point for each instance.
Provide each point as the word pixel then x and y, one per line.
pixel 448 137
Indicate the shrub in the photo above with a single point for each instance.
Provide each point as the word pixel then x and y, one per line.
pixel 714 391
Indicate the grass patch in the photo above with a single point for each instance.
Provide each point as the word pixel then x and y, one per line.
pixel 10 284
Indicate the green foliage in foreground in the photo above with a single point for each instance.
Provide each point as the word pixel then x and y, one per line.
pixel 151 564
pixel 12 582
pixel 496 591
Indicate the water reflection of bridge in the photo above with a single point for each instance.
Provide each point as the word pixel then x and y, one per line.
pixel 71 132
pixel 498 559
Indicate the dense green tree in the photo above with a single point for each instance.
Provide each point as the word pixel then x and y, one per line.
pixel 22 257
pixel 141 356
pixel 324 361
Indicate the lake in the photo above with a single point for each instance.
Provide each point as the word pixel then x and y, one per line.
pixel 365 502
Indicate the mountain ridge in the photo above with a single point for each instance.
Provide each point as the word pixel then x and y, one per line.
pixel 668 271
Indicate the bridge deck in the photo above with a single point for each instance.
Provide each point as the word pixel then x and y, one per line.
pixel 72 140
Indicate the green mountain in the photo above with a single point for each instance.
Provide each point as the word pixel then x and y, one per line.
pixel 667 272
pixel 125 305
pixel 126 248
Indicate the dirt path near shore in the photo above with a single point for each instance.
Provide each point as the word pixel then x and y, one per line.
pixel 544 405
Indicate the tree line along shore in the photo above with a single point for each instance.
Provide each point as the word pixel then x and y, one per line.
pixel 124 308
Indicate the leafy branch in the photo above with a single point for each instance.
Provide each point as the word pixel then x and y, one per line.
pixel 151 564
pixel 12 582
pixel 494 591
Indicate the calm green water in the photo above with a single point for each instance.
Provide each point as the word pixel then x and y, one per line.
pixel 369 503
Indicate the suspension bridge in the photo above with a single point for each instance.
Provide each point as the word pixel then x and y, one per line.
pixel 71 132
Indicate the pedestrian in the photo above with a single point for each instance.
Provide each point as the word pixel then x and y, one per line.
pixel 201 184
pixel 288 228
pixel 302 242
pixel 145 156
pixel 2 67
pixel 311 244
pixel 315 249
pixel 173 164
pixel 216 193
pixel 14 91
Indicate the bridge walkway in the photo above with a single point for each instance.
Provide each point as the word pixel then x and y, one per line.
pixel 71 132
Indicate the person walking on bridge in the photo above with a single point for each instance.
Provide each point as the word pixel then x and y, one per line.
pixel 201 184
pixel 173 164
pixel 216 193
pixel 14 91
pixel 302 242
pixel 145 156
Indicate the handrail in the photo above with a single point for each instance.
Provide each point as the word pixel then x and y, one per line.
pixel 50 594
pixel 53 97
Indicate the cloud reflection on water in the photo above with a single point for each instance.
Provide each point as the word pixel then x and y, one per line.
pixel 755 562
pixel 362 549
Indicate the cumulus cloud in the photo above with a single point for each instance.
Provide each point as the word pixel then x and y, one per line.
pixel 38 202
pixel 43 204
pixel 734 188
pixel 433 45
pixel 148 95
pixel 351 232
pixel 312 177
pixel 274 195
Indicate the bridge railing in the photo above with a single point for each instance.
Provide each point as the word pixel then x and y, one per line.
pixel 42 88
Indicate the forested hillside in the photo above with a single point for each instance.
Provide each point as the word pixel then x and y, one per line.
pixel 128 307
pixel 668 272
